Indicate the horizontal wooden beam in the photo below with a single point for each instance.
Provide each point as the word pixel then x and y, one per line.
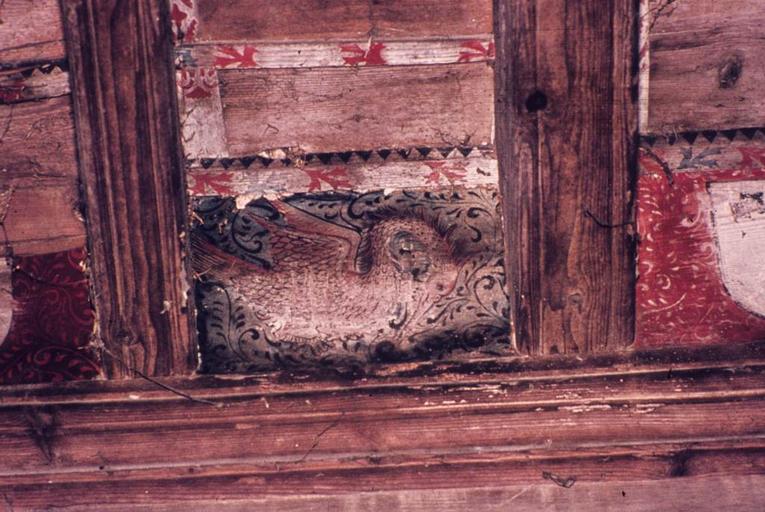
pixel 639 423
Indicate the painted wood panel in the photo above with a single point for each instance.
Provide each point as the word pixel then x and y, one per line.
pixel 707 65
pixel 356 53
pixel 365 108
pixel 312 20
pixel 345 279
pixel 52 324
pixel 697 218
pixel 32 83
pixel 30 32
pixel 358 176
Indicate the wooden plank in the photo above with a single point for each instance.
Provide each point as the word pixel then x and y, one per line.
pixel 707 65
pixel 620 426
pixel 30 32
pixel 321 20
pixel 345 279
pixel 356 176
pixel 23 84
pixel 568 174
pixel 27 210
pixel 345 109
pixel 348 53
pixel 134 186
pixel 37 139
pixel 734 493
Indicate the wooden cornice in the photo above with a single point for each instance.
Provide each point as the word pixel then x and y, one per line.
pixel 658 420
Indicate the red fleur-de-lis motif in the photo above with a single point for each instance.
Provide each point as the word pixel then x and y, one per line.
pixel 476 50
pixel 212 182
pixel 235 57
pixel 752 158
pixel 336 177
pixel 198 83
pixel 184 22
pixel 442 171
pixel 358 56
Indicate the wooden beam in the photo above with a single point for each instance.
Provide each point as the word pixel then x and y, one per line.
pixel 123 85
pixel 566 139
pixel 130 443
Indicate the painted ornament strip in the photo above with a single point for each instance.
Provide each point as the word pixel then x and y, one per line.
pixel 352 53
pixel 357 177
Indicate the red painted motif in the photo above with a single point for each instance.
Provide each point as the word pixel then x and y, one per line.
pixel 235 57
pixel 354 55
pixel 681 297
pixel 184 20
pixel 11 92
pixel 198 83
pixel 52 321
pixel 212 183
pixel 752 158
pixel 474 50
pixel 336 178
pixel 453 173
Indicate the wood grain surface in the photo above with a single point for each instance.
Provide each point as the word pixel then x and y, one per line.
pixel 30 32
pixel 707 65
pixel 120 56
pixel 272 441
pixel 566 138
pixel 340 19
pixel 338 109
pixel 38 178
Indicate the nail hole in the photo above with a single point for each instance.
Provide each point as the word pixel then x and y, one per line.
pixel 536 101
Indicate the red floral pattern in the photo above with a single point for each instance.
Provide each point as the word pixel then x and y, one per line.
pixel 681 297
pixel 476 50
pixel 52 321
pixel 358 56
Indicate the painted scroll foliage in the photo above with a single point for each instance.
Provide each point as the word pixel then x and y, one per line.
pixel 699 223
pixel 344 279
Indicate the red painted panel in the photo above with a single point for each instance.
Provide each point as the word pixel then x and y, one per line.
pixel 52 321
pixel 681 296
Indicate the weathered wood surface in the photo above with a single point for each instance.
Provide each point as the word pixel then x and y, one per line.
pixel 738 494
pixel 33 83
pixel 357 176
pixel 41 216
pixel 120 58
pixel 707 65
pixel 566 127
pixel 319 20
pixel 357 53
pixel 344 279
pixel 37 139
pixel 690 291
pixel 345 109
pixel 30 32
pixel 38 178
pixel 73 445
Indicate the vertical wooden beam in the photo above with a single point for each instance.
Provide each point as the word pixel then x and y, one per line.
pixel 120 57
pixel 566 137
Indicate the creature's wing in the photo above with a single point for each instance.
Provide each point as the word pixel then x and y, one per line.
pixel 308 241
